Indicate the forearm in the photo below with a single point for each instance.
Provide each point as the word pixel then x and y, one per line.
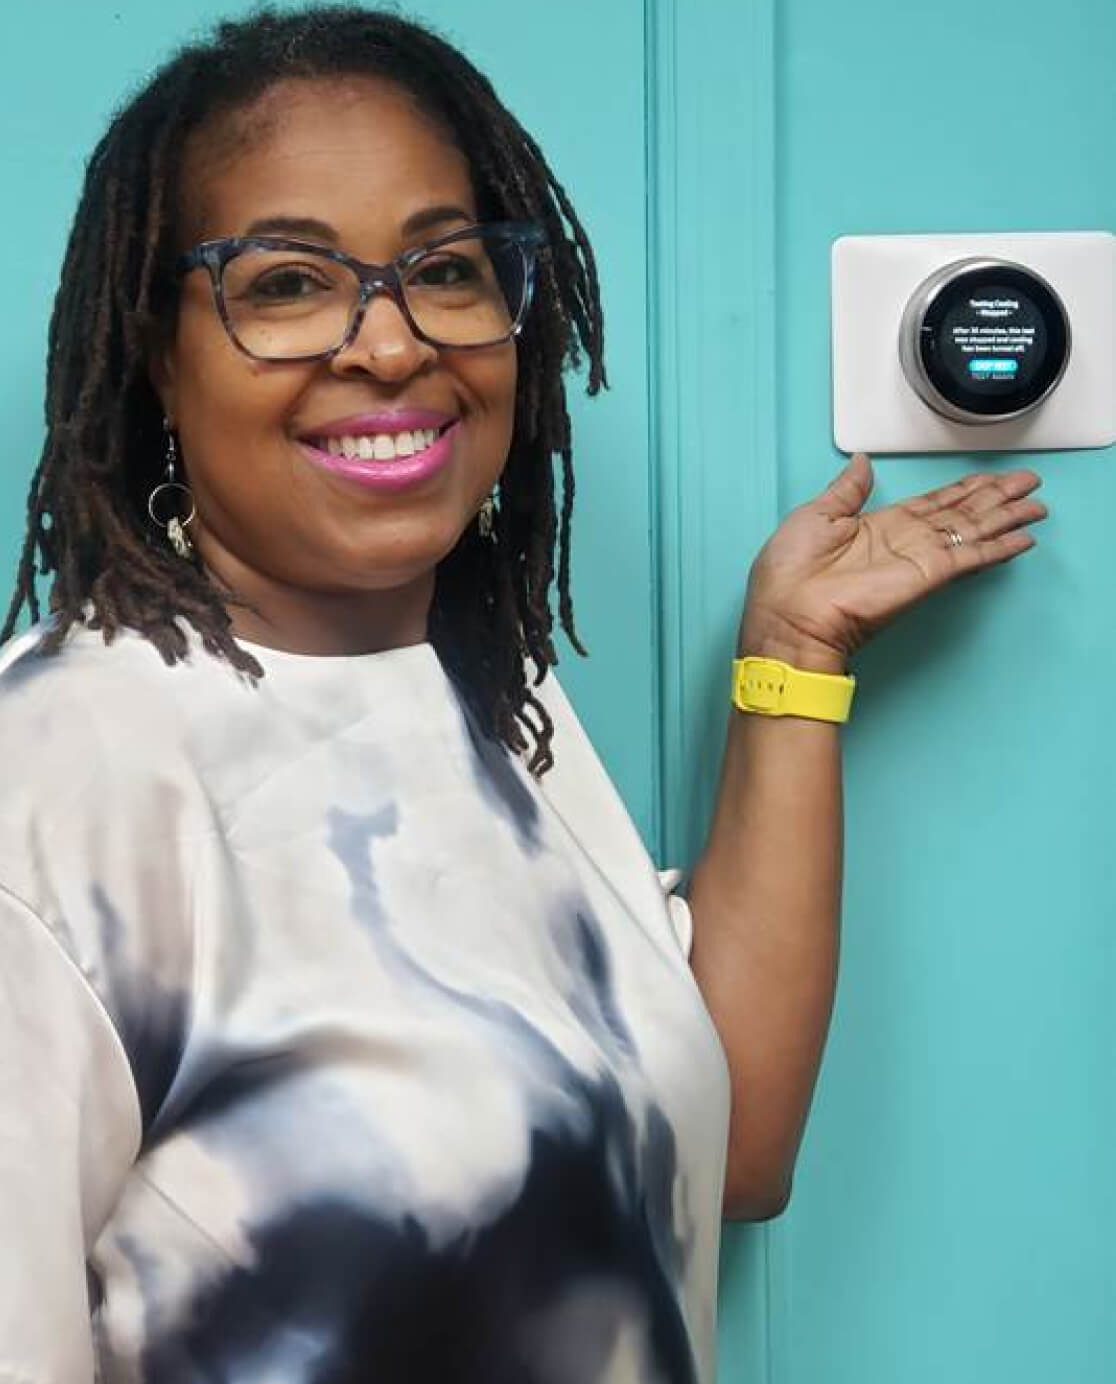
pixel 766 892
pixel 766 900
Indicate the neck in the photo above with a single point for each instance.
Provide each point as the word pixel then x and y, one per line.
pixel 322 622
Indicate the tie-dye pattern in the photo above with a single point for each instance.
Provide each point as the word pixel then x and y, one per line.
pixel 423 1089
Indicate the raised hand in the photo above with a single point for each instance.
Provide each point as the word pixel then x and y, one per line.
pixel 831 575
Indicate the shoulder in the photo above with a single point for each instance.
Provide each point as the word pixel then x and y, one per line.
pixel 580 790
pixel 92 718
pixel 104 680
pixel 115 704
pixel 578 786
pixel 96 763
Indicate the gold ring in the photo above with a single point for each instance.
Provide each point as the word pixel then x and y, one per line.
pixel 953 538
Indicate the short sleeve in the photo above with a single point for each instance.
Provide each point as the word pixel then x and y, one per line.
pixel 579 789
pixel 69 1132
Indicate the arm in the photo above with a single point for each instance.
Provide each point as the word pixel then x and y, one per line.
pixel 765 893
pixel 766 899
pixel 69 1128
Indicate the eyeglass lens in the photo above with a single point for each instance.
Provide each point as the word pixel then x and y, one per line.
pixel 287 303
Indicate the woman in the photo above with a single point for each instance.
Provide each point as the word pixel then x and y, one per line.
pixel 347 1032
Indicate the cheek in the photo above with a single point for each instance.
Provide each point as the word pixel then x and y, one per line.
pixel 491 381
pixel 224 394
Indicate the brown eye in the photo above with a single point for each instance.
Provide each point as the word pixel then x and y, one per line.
pixel 287 284
pixel 445 271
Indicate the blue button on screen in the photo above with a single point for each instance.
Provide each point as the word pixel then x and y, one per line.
pixel 985 368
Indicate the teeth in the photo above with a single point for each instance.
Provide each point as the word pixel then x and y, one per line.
pixel 379 446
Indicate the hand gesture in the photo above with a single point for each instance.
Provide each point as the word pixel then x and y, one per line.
pixel 831 576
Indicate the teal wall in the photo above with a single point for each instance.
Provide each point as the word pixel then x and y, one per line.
pixel 953 1216
pixel 953 1219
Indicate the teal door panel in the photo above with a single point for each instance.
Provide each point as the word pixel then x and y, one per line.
pixel 953 1217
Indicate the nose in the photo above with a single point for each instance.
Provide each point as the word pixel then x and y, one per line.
pixel 385 345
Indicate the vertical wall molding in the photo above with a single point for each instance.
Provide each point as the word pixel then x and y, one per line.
pixel 711 230
pixel 711 333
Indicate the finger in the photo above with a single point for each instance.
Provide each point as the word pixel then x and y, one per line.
pixel 1014 515
pixel 971 524
pixel 847 493
pixel 965 550
pixel 995 551
pixel 978 492
pixel 994 498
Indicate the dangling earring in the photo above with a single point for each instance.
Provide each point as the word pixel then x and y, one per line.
pixel 486 519
pixel 175 526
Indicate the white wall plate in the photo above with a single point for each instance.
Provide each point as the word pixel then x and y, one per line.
pixel 875 408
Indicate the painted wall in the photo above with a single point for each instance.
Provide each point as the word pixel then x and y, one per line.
pixel 957 1219
pixel 953 1219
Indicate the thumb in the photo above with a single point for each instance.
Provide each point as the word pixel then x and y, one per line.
pixel 847 493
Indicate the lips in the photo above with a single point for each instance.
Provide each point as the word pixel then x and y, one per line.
pixel 386 451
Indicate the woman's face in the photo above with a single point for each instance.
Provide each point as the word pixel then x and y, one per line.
pixel 329 562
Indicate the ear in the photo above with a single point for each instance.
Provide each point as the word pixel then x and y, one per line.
pixel 161 369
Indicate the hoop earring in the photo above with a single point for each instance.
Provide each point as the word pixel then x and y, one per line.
pixel 486 519
pixel 175 525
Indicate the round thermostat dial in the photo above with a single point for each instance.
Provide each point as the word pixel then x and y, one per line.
pixel 984 340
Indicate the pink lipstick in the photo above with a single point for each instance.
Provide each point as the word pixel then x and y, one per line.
pixel 386 452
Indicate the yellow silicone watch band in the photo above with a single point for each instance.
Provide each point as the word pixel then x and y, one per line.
pixel 769 687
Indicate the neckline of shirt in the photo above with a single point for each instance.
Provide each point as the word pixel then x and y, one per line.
pixel 266 653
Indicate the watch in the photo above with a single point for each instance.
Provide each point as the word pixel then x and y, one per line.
pixel 769 687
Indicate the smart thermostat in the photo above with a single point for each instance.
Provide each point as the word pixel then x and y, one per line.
pixel 974 343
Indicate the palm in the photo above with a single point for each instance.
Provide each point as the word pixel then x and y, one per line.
pixel 835 575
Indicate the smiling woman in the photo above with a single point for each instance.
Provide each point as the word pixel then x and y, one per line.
pixel 349 1032
pixel 370 140
pixel 326 555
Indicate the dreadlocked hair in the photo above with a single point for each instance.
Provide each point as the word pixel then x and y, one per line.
pixel 87 505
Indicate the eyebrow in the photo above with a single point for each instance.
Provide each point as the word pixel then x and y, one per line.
pixel 307 226
pixel 312 228
pixel 435 216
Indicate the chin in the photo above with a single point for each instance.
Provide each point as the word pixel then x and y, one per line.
pixel 393 571
pixel 392 544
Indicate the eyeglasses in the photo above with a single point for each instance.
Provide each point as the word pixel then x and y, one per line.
pixel 287 300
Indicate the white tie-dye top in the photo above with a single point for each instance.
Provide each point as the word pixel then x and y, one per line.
pixel 334 1049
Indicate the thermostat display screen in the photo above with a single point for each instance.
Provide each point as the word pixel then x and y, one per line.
pixel 992 340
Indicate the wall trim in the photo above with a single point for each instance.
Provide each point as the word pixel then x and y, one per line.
pixel 710 91
pixel 710 99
